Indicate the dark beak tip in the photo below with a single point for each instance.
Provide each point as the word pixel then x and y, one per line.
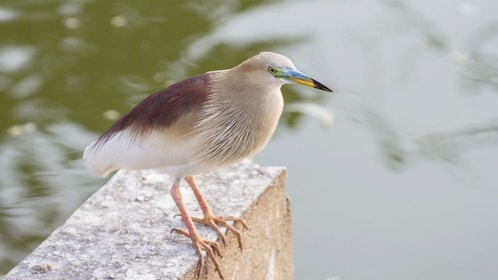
pixel 321 86
pixel 324 88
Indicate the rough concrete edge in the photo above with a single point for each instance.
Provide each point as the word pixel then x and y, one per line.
pixel 277 172
pixel 278 184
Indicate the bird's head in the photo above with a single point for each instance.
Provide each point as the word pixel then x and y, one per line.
pixel 271 68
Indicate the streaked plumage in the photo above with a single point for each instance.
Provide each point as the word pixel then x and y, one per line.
pixel 199 124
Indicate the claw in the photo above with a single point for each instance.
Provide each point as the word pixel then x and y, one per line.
pixel 212 249
pixel 177 215
pixel 214 222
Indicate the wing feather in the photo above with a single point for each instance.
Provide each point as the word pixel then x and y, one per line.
pixel 153 134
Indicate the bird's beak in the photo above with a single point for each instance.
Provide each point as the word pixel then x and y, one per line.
pixel 297 77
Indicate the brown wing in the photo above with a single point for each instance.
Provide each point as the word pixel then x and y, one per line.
pixel 163 108
pixel 147 136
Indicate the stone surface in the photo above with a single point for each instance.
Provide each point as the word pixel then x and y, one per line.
pixel 123 230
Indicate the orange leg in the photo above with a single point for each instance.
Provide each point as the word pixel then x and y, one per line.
pixel 199 244
pixel 210 219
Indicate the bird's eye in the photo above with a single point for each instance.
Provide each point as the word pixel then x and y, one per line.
pixel 272 70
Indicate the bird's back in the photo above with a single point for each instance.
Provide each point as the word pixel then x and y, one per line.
pixel 154 133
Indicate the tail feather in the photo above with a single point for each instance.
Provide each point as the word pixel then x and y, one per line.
pixel 98 160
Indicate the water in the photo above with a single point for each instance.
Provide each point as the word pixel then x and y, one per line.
pixel 401 186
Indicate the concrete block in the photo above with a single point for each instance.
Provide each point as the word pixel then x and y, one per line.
pixel 123 230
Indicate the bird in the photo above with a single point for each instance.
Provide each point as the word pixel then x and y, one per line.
pixel 197 125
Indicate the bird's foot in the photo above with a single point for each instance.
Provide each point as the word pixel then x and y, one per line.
pixel 212 249
pixel 215 221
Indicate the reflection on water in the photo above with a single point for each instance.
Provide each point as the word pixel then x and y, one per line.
pixel 481 68
pixel 414 86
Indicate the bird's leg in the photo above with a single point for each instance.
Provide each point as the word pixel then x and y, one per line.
pixel 210 219
pixel 212 248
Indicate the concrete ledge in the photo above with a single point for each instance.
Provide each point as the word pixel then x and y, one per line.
pixel 123 230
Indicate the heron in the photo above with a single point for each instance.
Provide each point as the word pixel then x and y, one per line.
pixel 197 125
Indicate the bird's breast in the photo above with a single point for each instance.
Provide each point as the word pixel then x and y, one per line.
pixel 230 130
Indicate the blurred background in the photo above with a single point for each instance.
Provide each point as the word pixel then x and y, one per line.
pixel 394 176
